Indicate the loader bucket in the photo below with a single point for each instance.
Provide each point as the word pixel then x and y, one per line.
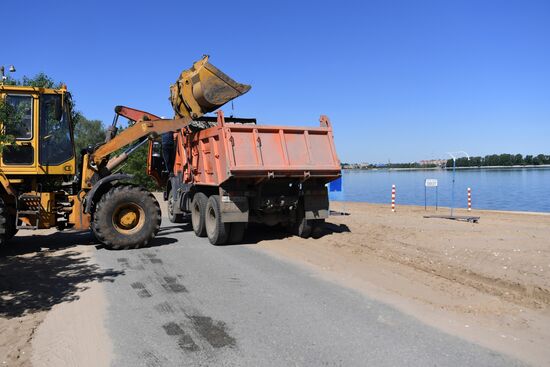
pixel 203 88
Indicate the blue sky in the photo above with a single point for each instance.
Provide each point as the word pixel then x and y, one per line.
pixel 400 80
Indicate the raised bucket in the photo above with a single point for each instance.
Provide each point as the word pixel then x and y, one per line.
pixel 203 88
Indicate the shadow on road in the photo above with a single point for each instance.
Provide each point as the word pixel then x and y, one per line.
pixel 20 245
pixel 38 281
pixel 257 232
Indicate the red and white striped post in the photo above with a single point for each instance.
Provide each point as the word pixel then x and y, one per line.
pixel 393 198
pixel 469 199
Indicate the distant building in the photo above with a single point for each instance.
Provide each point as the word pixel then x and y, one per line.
pixel 433 162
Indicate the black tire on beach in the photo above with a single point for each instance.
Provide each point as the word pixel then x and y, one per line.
pixel 317 228
pixel 126 217
pixel 302 226
pixel 216 230
pixel 198 210
pixel 174 218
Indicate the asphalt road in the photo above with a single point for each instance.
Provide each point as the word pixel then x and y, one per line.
pixel 185 302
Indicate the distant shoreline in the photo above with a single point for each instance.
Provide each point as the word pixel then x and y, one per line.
pixel 540 166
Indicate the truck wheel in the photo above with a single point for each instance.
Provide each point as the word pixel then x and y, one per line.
pixel 317 227
pixel 198 208
pixel 216 230
pixel 174 218
pixel 126 217
pixel 236 233
pixel 4 223
pixel 302 226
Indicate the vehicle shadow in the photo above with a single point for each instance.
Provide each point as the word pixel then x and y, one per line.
pixel 20 245
pixel 32 280
pixel 257 232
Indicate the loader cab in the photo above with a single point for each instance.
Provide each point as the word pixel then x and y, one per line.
pixel 39 120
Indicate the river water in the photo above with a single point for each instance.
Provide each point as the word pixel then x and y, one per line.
pixel 497 189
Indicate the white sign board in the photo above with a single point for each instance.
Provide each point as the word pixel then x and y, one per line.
pixel 431 182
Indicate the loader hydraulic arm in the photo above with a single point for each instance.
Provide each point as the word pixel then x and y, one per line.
pixel 138 130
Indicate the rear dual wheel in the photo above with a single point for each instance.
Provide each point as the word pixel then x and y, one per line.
pixel 307 227
pixel 126 217
pixel 172 216
pixel 198 210
pixel 218 232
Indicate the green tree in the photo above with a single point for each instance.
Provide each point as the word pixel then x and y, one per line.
pixel 88 133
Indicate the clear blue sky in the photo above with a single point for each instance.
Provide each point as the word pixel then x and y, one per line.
pixel 400 80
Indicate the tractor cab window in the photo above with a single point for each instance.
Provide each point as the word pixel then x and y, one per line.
pixel 55 134
pixel 20 116
pixel 19 124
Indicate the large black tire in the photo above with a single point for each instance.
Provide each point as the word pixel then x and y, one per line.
pixel 126 217
pixel 12 228
pixel 302 226
pixel 198 210
pixel 216 230
pixel 4 223
pixel 317 228
pixel 174 218
pixel 236 233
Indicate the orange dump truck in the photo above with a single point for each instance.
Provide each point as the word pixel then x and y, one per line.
pixel 236 172
pixel 224 173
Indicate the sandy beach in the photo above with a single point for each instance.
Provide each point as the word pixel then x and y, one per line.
pixel 488 282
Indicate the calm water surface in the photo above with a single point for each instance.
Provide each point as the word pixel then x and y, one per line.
pixel 506 189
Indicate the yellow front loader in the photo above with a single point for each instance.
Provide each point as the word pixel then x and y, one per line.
pixel 42 185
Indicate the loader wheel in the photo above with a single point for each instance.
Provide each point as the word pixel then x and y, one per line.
pixel 12 228
pixel 174 218
pixel 198 209
pixel 216 230
pixel 126 217
pixel 236 233
pixel 4 223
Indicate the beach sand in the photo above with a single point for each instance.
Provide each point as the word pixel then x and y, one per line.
pixel 488 282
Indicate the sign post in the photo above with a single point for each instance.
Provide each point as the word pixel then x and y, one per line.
pixel 430 182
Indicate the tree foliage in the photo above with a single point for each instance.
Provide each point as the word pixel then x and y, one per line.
pixel 88 133
pixel 506 160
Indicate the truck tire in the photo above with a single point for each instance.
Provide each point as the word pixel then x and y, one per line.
pixel 174 218
pixel 126 217
pixel 198 210
pixel 236 233
pixel 4 223
pixel 302 226
pixel 317 228
pixel 216 230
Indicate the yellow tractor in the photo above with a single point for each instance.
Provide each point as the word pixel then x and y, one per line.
pixel 42 185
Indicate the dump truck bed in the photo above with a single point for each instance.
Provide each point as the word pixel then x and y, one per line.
pixel 235 150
